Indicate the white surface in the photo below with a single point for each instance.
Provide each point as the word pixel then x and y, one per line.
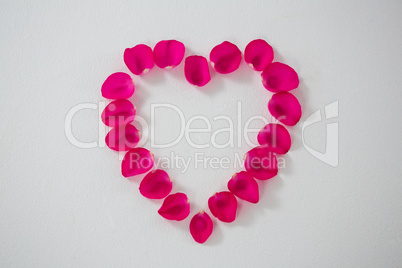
pixel 62 206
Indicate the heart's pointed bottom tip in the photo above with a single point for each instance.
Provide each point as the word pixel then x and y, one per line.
pixel 201 227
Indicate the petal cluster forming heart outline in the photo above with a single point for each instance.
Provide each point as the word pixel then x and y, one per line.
pixel 260 162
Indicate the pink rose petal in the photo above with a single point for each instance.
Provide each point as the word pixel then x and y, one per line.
pixel 285 107
pixel 201 227
pixel 278 77
pixel 276 137
pixel 175 207
pixel 123 138
pixel 223 205
pixel 196 70
pixel 118 86
pixel 118 112
pixel 139 59
pixel 225 57
pixel 137 161
pixel 244 186
pixel 168 53
pixel 261 163
pixel 258 54
pixel 156 184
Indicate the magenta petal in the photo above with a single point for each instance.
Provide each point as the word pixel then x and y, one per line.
pixel 139 59
pixel 175 207
pixel 118 112
pixel 223 205
pixel 278 77
pixel 285 107
pixel 137 161
pixel 123 138
pixel 261 163
pixel 258 54
pixel 276 137
pixel 168 53
pixel 225 57
pixel 244 186
pixel 196 70
pixel 156 184
pixel 118 86
pixel 201 227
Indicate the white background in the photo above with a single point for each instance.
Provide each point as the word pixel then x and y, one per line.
pixel 62 206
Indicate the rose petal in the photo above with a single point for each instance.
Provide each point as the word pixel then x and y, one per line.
pixel 196 70
pixel 156 184
pixel 175 207
pixel 225 57
pixel 137 161
pixel 258 54
pixel 276 137
pixel 244 186
pixel 168 53
pixel 285 107
pixel 261 163
pixel 201 227
pixel 118 86
pixel 118 112
pixel 278 77
pixel 223 205
pixel 122 138
pixel 139 59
